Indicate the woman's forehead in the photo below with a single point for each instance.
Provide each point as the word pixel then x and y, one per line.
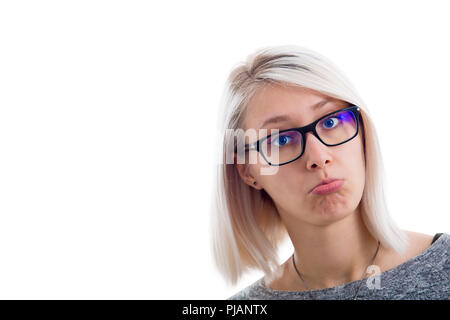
pixel 275 103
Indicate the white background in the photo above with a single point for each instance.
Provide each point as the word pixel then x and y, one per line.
pixel 108 112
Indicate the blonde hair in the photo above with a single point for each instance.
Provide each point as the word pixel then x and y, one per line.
pixel 246 227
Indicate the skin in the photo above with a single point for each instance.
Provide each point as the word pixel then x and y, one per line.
pixel 332 246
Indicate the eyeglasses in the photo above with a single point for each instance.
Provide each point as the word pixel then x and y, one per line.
pixel 331 129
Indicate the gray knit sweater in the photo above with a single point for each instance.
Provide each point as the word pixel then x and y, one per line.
pixel 426 276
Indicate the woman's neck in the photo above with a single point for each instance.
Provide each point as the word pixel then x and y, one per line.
pixel 331 255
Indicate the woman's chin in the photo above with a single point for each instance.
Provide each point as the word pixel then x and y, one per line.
pixel 331 207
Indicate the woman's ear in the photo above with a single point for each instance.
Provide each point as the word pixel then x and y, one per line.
pixel 243 170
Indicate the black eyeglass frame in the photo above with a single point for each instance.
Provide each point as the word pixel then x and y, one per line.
pixel 303 130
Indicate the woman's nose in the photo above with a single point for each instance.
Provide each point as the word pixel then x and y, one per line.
pixel 316 153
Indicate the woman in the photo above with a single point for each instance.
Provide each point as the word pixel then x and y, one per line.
pixel 303 119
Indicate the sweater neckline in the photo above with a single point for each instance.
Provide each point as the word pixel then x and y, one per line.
pixel 433 247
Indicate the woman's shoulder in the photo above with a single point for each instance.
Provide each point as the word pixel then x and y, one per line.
pixel 419 244
pixel 432 248
pixel 425 245
pixel 424 251
pixel 425 276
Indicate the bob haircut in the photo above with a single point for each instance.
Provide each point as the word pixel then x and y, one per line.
pixel 246 228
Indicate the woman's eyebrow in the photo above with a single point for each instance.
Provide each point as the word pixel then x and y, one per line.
pixel 282 118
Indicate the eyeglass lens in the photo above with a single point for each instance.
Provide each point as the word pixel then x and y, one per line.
pixel 332 130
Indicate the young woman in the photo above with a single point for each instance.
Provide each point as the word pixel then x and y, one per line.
pixel 316 180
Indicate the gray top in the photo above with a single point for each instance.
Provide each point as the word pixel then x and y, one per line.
pixel 426 276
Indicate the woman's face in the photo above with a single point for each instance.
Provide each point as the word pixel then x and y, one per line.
pixel 290 186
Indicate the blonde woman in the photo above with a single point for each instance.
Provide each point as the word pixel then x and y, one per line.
pixel 308 168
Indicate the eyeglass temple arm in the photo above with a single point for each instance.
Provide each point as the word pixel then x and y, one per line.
pixel 251 146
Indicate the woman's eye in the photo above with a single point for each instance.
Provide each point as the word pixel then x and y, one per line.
pixel 281 140
pixel 331 123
